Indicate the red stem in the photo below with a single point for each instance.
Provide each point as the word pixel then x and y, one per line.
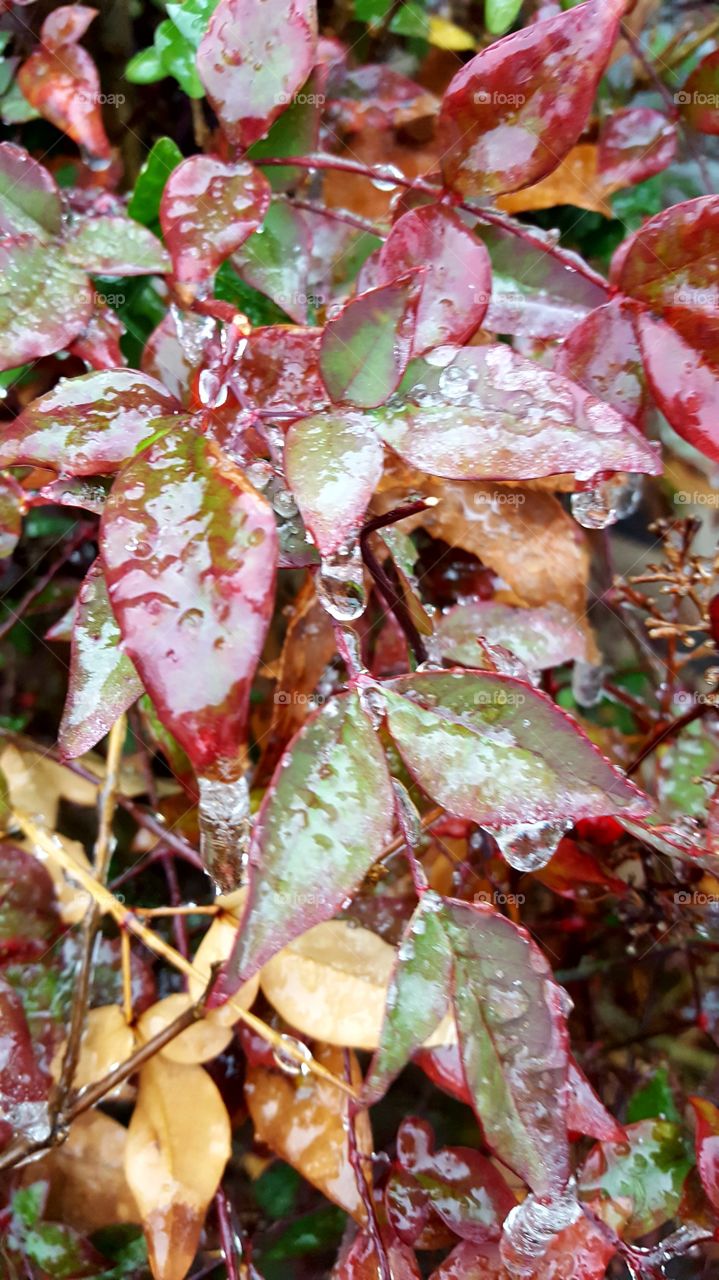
pixel 490 216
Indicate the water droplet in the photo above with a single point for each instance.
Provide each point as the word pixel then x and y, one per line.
pixel 284 503
pixel 340 584
pixel 527 846
pixel 408 816
pixel 374 704
pixel 610 500
pixel 225 826
pixel 289 1064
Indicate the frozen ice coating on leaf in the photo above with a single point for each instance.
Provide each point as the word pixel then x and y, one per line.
pixel 225 825
pixel 494 750
pixel 326 814
pixel 45 301
pixel 89 425
pixel 532 1225
pixel 190 551
pixel 492 414
pixel 540 637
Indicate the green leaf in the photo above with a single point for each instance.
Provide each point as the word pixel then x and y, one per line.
pixel 371 11
pixel 115 246
pixel 410 20
pixel 260 310
pixel 29 198
pixel 192 17
pixel 333 465
pixel 45 301
pixel 638 1182
pixel 654 1100
pixel 365 349
pixel 275 259
pixel 103 682
pixel 144 203
pixel 294 133
pixel 495 751
pixel 28 1203
pixel 177 56
pixel 418 994
pixel 500 15
pixel 277 1189
pixel 146 67
pixel 324 817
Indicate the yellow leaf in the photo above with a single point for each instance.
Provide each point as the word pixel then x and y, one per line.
pixel 575 181
pixel 215 948
pixel 199 1043
pixel 447 35
pixel 107 1040
pixel 178 1144
pixel 331 983
pixel 88 1187
pixel 304 1120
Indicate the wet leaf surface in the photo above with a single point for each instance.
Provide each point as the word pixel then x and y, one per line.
pixel 333 463
pixel 502 124
pixel 45 302
pixel 115 246
pixel 103 682
pixel 540 638
pixel 365 349
pixel 189 550
pixel 208 210
pixel 325 817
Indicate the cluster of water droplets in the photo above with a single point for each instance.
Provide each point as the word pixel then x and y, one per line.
pixel 609 501
pixel 340 583
pixel 530 1227
pixel 225 827
pixel 527 846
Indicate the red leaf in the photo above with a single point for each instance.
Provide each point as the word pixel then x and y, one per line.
pixel 673 260
pixel 45 303
pixel 503 123
pixel 634 145
pixel 279 371
pixel 578 1252
pixel 471 1262
pixel 99 345
pixel 176 350
pixel 29 198
pixel 534 294
pixel 602 354
pixel 360 1261
pixel 443 1066
pixel 190 550
pixel 681 358
pixel 699 100
pixel 89 425
pixel 707 1146
pixel 455 287
pixel 253 59
pixel 492 414
pixel 208 210
pixel 462 1186
pixel 366 348
pixel 24 1087
pixel 63 85
pixel 66 25
pixel 586 1113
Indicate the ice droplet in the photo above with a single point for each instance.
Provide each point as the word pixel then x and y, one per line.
pixel 527 846
pixel 611 500
pixel 340 584
pixel 587 681
pixel 224 820
pixel 407 813
pixel 374 704
pixel 530 1227
pixel 284 503
pixel 289 1064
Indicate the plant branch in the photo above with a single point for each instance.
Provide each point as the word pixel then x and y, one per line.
pixel 490 216
pixel 126 919
pixel 665 730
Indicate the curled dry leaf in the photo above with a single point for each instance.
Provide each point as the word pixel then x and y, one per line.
pixel 304 1120
pixel 178 1144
